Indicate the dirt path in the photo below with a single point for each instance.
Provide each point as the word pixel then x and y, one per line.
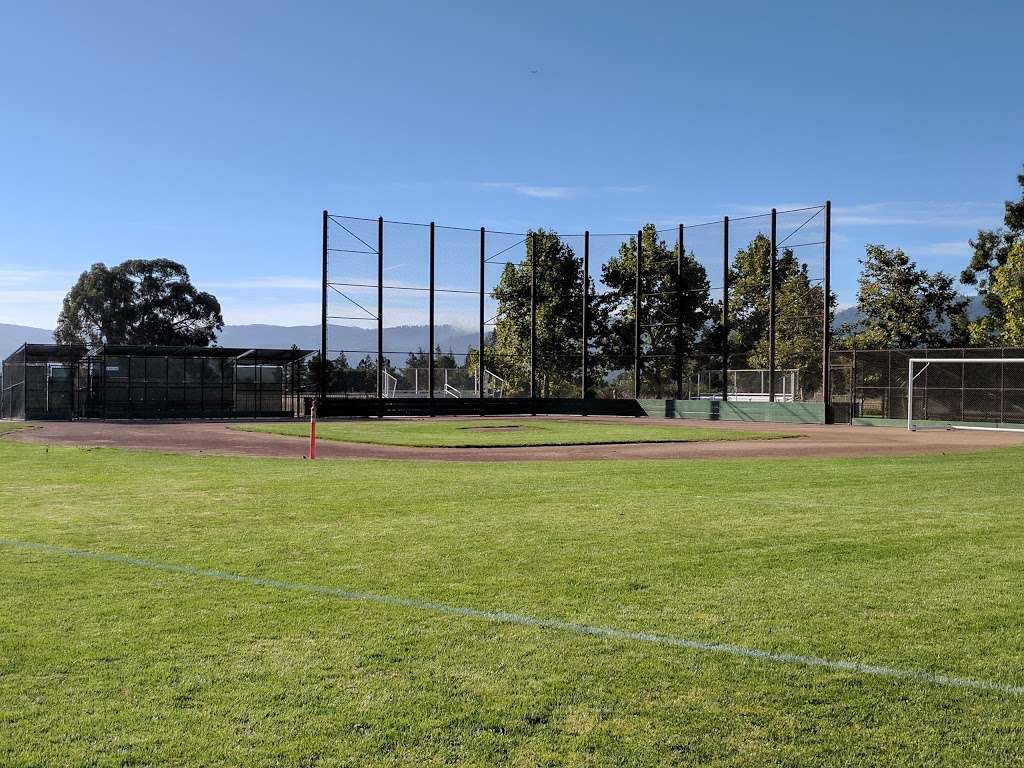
pixel 813 441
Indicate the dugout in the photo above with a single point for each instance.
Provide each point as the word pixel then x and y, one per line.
pixel 151 382
pixel 37 381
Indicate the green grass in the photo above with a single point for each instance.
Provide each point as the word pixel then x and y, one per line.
pixel 495 433
pixel 10 426
pixel 914 563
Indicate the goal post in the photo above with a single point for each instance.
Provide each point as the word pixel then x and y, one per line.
pixel 993 386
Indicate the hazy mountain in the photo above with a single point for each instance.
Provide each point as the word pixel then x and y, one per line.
pixel 400 339
pixel 13 336
pixel 851 315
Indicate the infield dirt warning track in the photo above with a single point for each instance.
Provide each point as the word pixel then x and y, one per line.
pixel 810 441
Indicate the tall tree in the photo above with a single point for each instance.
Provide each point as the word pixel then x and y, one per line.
pixel 1008 286
pixel 669 288
pixel 799 304
pixel 904 307
pixel 363 378
pixel 445 359
pixel 991 250
pixel 338 374
pixel 138 302
pixel 559 318
pixel 418 359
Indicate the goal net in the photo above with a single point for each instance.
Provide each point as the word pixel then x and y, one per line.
pixel 965 393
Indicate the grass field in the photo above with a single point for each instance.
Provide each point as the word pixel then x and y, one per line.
pixel 914 564
pixel 10 426
pixel 494 433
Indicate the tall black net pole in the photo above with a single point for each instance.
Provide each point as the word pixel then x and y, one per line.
pixel 323 316
pixel 430 332
pixel 480 361
pixel 636 313
pixel 380 307
pixel 680 304
pixel 1002 389
pixel 771 309
pixel 853 388
pixel 585 384
pixel 725 309
pixel 533 323
pixel 826 322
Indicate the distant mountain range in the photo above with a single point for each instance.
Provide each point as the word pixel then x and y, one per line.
pixel 851 315
pixel 399 339
pixel 13 336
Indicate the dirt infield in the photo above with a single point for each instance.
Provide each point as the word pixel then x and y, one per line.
pixel 812 441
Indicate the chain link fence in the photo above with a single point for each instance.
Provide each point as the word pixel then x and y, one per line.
pixel 873 384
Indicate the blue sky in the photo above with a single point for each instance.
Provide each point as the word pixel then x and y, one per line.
pixel 215 133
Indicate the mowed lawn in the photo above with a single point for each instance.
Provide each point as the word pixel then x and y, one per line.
pixel 916 564
pixel 472 433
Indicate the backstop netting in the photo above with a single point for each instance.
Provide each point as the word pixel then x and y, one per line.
pixel 684 311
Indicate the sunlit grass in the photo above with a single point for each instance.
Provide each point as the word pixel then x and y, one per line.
pixel 910 562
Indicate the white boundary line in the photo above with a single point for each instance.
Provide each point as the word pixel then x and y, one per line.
pixel 502 617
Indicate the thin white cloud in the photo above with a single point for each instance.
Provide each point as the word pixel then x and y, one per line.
pixel 14 278
pixel 553 192
pixel 31 296
pixel 547 193
pixel 534 190
pixel 928 213
pixel 265 283
pixel 949 248
pixel 34 307
pixel 911 214
pixel 631 189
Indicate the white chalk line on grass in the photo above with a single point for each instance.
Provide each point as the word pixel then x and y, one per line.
pixel 502 617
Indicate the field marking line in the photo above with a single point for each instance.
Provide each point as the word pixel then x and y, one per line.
pixel 502 617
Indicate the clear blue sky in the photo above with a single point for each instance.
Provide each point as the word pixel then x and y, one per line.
pixel 215 133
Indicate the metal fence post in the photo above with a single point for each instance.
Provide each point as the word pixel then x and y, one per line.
pixel 680 303
pixel 584 384
pixel 853 388
pixel 725 309
pixel 103 405
pixel 771 310
pixel 480 369
pixel 636 314
pixel 323 316
pixel 826 322
pixel 1002 388
pixel 202 384
pixel 380 309
pixel 430 333
pixel 889 394
pixel 533 323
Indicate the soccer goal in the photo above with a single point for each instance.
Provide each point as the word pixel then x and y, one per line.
pixel 985 393
pixel 390 383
